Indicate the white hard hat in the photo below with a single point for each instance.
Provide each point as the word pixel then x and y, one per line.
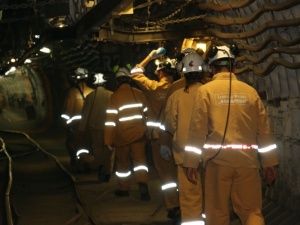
pixel 81 73
pixel 184 52
pixel 167 63
pixel 192 62
pixel 220 52
pixel 99 78
pixel 122 72
pixel 188 50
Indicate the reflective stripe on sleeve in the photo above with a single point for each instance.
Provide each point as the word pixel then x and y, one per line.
pixel 230 146
pixel 137 70
pixel 77 117
pixel 267 149
pixel 153 124
pixel 168 186
pixel 193 149
pixel 112 111
pixel 65 116
pixel 113 124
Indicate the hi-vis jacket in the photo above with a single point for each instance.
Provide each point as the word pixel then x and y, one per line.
pixel 94 109
pixel 125 116
pixel 178 113
pixel 248 140
pixel 74 103
pixel 165 137
pixel 155 92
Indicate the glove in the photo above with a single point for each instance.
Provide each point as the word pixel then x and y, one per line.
pixel 110 148
pixel 165 152
pixel 154 54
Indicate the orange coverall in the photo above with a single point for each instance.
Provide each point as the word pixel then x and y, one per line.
pixel 72 115
pixel 156 92
pixel 125 129
pixel 235 158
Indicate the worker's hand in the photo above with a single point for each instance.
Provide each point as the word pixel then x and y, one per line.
pixel 154 54
pixel 269 174
pixel 165 152
pixel 192 175
pixel 110 148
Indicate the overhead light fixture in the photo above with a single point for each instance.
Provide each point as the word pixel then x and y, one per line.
pixel 127 10
pixel 27 61
pixel 12 69
pixel 45 50
pixel 89 3
pixel 201 46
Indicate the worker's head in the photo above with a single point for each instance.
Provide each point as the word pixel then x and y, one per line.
pixel 192 62
pixel 122 75
pixel 191 65
pixel 165 68
pixel 222 58
pixel 80 75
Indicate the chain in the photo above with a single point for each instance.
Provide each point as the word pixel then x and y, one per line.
pixel 167 20
pixel 32 4
pixel 174 13
pixel 177 20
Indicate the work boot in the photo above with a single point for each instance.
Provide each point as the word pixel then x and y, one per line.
pixel 103 174
pixel 175 215
pixel 121 193
pixel 73 161
pixel 144 192
pixel 83 163
pixel 177 221
pixel 72 158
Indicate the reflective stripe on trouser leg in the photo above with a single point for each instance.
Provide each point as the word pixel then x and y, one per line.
pixel 124 154
pixel 167 173
pixel 191 198
pixel 123 166
pixel 138 155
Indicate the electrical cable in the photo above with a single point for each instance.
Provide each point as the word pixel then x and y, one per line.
pixel 228 109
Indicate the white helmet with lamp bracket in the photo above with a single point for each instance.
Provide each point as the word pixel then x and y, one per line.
pixel 99 78
pixel 80 74
pixel 166 63
pixel 202 67
pixel 222 55
pixel 96 79
pixel 192 62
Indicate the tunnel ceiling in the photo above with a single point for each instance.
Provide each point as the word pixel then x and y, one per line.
pixel 267 32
